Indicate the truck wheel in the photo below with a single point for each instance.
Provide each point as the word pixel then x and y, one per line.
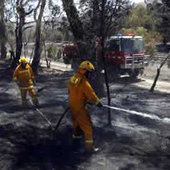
pixel 133 74
pixel 66 60
pixel 113 74
pixel 74 63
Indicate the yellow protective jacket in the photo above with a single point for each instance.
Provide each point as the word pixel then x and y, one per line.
pixel 80 91
pixel 24 76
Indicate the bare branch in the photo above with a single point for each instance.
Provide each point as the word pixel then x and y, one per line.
pixel 25 28
pixel 29 12
pixel 13 22
pixel 164 61
pixel 26 2
pixel 17 3
pixel 21 3
pixel 35 10
pixel 31 22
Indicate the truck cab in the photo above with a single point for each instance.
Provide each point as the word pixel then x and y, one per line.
pixel 125 54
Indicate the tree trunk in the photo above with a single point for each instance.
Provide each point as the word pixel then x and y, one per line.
pixel 37 51
pixel 155 80
pixel 19 39
pixel 77 28
pixel 38 45
pixel 74 20
pixel 18 34
pixel 103 36
pixel 3 39
pixel 158 73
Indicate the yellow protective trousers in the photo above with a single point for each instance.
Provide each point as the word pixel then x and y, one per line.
pixel 31 91
pixel 81 120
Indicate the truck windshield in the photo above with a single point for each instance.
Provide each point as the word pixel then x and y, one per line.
pixel 132 45
pixel 126 45
pixel 114 45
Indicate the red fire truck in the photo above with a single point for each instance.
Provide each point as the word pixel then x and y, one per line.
pixel 124 54
pixel 70 52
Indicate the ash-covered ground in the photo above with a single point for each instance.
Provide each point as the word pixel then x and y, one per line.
pixel 136 140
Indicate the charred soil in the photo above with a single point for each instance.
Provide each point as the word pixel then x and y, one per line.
pixel 133 142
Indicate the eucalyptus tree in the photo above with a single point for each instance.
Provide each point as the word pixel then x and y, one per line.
pixel 164 26
pixel 22 9
pixel 160 11
pixel 49 31
pixel 3 37
pixel 38 44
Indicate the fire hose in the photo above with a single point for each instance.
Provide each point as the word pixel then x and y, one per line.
pixel 62 116
pixel 42 115
pixel 167 120
pixel 155 117
pixel 49 123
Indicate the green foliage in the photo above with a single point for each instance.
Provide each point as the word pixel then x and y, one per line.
pixel 160 13
pixel 56 36
pixel 139 17
pixel 10 32
pixel 141 22
pixel 61 33
pixel 150 49
pixel 151 38
pixel 54 52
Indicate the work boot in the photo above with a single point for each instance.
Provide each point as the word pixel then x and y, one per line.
pixel 76 145
pixel 91 151
pixel 35 102
pixel 24 103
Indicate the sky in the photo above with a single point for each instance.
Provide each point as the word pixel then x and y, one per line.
pixel 76 1
pixel 137 1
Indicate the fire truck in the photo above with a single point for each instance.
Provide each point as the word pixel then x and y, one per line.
pixel 124 55
pixel 70 52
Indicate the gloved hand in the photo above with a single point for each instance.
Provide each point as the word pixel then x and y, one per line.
pixel 18 83
pixel 34 81
pixel 99 104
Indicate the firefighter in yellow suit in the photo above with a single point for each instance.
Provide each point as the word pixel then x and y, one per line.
pixel 80 91
pixel 24 77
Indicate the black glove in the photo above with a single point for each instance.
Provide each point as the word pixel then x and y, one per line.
pixel 18 83
pixel 99 104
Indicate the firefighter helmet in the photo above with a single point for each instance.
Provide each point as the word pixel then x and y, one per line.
pixel 87 65
pixel 23 60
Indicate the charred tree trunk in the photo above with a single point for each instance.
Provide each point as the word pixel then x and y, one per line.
pixel 18 33
pixel 158 73
pixel 38 45
pixel 19 39
pixel 99 86
pixel 155 80
pixel 74 20
pixel 103 36
pixel 76 27
pixel 3 39
pixel 37 51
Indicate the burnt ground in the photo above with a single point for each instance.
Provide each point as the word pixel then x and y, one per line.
pixel 133 142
